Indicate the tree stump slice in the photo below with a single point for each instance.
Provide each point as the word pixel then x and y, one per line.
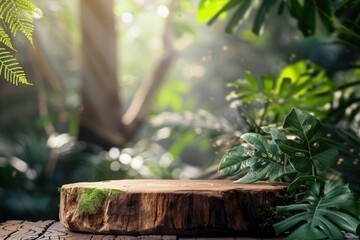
pixel 171 207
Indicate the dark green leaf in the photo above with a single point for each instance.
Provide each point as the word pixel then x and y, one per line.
pixel 238 15
pixel 233 161
pixel 310 150
pixel 327 209
pixel 303 125
pixel 275 133
pixel 308 22
pixel 295 9
pixel 262 15
pixel 299 181
pixel 324 9
pixel 265 160
pixel 281 8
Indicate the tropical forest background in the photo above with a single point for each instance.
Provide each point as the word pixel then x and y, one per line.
pixel 163 88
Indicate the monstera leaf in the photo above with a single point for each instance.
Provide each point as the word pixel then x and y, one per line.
pixel 327 209
pixel 234 160
pixel 265 160
pixel 308 152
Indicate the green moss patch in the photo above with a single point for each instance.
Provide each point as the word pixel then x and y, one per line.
pixel 91 199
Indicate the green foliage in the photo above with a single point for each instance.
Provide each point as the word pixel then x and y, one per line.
pixel 16 16
pixel 333 16
pixel 265 160
pixel 326 209
pixel 10 68
pixel 91 199
pixel 299 147
pixel 308 151
pixel 348 142
pixel 299 85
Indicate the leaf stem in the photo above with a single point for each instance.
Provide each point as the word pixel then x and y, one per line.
pixel 314 172
pixel 264 113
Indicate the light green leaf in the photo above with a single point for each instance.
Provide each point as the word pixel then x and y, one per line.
pixel 17 15
pixel 10 68
pixel 208 8
pixel 5 39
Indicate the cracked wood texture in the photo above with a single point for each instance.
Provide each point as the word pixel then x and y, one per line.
pixel 24 230
pixel 172 207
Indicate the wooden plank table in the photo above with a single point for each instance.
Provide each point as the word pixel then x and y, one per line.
pixel 25 230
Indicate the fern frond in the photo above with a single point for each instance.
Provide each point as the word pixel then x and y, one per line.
pixel 17 15
pixel 5 39
pixel 10 68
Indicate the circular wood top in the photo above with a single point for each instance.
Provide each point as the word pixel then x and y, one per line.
pixel 146 185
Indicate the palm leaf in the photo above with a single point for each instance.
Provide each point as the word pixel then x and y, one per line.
pixel 327 209
pixel 5 39
pixel 10 68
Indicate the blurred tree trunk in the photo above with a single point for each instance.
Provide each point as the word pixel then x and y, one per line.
pixel 100 111
pixel 101 121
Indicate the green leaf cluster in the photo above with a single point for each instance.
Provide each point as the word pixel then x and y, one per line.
pixel 304 151
pixel 299 149
pixel 263 159
pixel 301 84
pixel 16 16
pixel 333 16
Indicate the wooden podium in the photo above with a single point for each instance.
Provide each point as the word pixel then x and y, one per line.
pixel 167 207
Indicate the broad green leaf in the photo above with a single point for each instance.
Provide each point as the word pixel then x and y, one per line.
pixel 262 15
pixel 265 160
pixel 310 150
pixel 327 209
pixel 295 8
pixel 234 160
pixel 299 181
pixel 275 133
pixel 231 4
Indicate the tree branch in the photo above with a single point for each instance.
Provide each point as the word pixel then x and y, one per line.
pixel 141 104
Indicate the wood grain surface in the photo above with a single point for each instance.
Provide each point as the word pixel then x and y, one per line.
pixel 172 207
